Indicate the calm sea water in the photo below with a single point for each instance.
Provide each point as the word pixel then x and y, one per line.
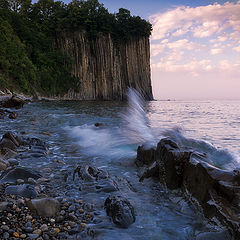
pixel 68 128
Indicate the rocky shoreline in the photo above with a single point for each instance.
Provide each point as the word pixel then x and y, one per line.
pixel 30 207
pixel 215 191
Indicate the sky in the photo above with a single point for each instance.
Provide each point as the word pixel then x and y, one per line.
pixel 195 46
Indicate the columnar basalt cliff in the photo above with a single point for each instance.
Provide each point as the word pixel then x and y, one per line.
pixel 105 70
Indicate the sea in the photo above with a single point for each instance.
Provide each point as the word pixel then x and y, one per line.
pixel 68 128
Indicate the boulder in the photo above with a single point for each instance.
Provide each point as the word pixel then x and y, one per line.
pixel 24 190
pixel 120 210
pixel 19 173
pixel 14 102
pixel 45 207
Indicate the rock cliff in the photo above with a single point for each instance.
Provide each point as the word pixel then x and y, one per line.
pixel 105 70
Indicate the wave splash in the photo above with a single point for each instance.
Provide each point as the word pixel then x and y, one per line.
pixel 135 129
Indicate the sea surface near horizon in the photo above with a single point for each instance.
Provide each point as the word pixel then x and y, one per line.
pixel 68 128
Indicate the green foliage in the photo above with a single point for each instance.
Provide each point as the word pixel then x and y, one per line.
pixel 28 58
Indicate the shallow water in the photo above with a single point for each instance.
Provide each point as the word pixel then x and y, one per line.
pixel 68 128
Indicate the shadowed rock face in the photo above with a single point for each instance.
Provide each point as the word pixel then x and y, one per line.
pixel 216 190
pixel 104 70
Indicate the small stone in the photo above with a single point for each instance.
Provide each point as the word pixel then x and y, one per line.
pixel 52 220
pixel 16 234
pixel 32 181
pixel 71 224
pixel 28 224
pixel 44 228
pixel 28 229
pixel 18 210
pixel 20 181
pixel 37 231
pixel 6 235
pixel 33 236
pixel 59 219
pixel 46 237
pixel 29 217
pixel 5 228
pixel 82 226
pixel 81 210
pixel 71 208
pixel 3 206
pixel 62 212
pixel 72 216
pixel 23 236
pixel 57 230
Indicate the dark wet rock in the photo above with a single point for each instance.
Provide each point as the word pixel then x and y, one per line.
pixel 90 173
pixel 13 115
pixel 223 235
pixel 3 114
pixel 19 173
pixel 9 141
pixel 3 165
pixel 45 207
pixel 98 124
pixel 152 171
pixel 13 162
pixel 14 102
pixel 145 156
pixel 120 210
pixel 106 185
pixel 216 190
pixel 24 190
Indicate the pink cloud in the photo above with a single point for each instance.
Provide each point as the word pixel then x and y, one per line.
pixel 202 21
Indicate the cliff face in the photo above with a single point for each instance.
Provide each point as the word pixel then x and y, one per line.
pixel 104 70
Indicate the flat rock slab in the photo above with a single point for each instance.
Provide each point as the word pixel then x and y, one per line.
pixel 24 190
pixel 45 207
pixel 19 173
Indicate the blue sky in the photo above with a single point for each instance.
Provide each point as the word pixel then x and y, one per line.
pixel 146 8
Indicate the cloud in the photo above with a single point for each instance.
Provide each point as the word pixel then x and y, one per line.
pixel 215 51
pixel 202 21
pixel 192 45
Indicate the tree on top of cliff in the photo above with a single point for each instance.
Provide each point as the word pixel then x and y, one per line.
pixel 28 55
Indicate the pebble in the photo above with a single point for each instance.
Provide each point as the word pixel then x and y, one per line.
pixel 32 181
pixel 28 229
pixel 44 228
pixel 20 181
pixel 23 236
pixel 59 219
pixel 29 217
pixel 6 235
pixel 33 236
pixel 28 224
pixel 71 224
pixel 72 216
pixel 46 237
pixel 16 234
pixel 37 231
pixel 82 226
pixel 5 228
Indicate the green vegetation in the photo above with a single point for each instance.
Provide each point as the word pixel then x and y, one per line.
pixel 28 59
